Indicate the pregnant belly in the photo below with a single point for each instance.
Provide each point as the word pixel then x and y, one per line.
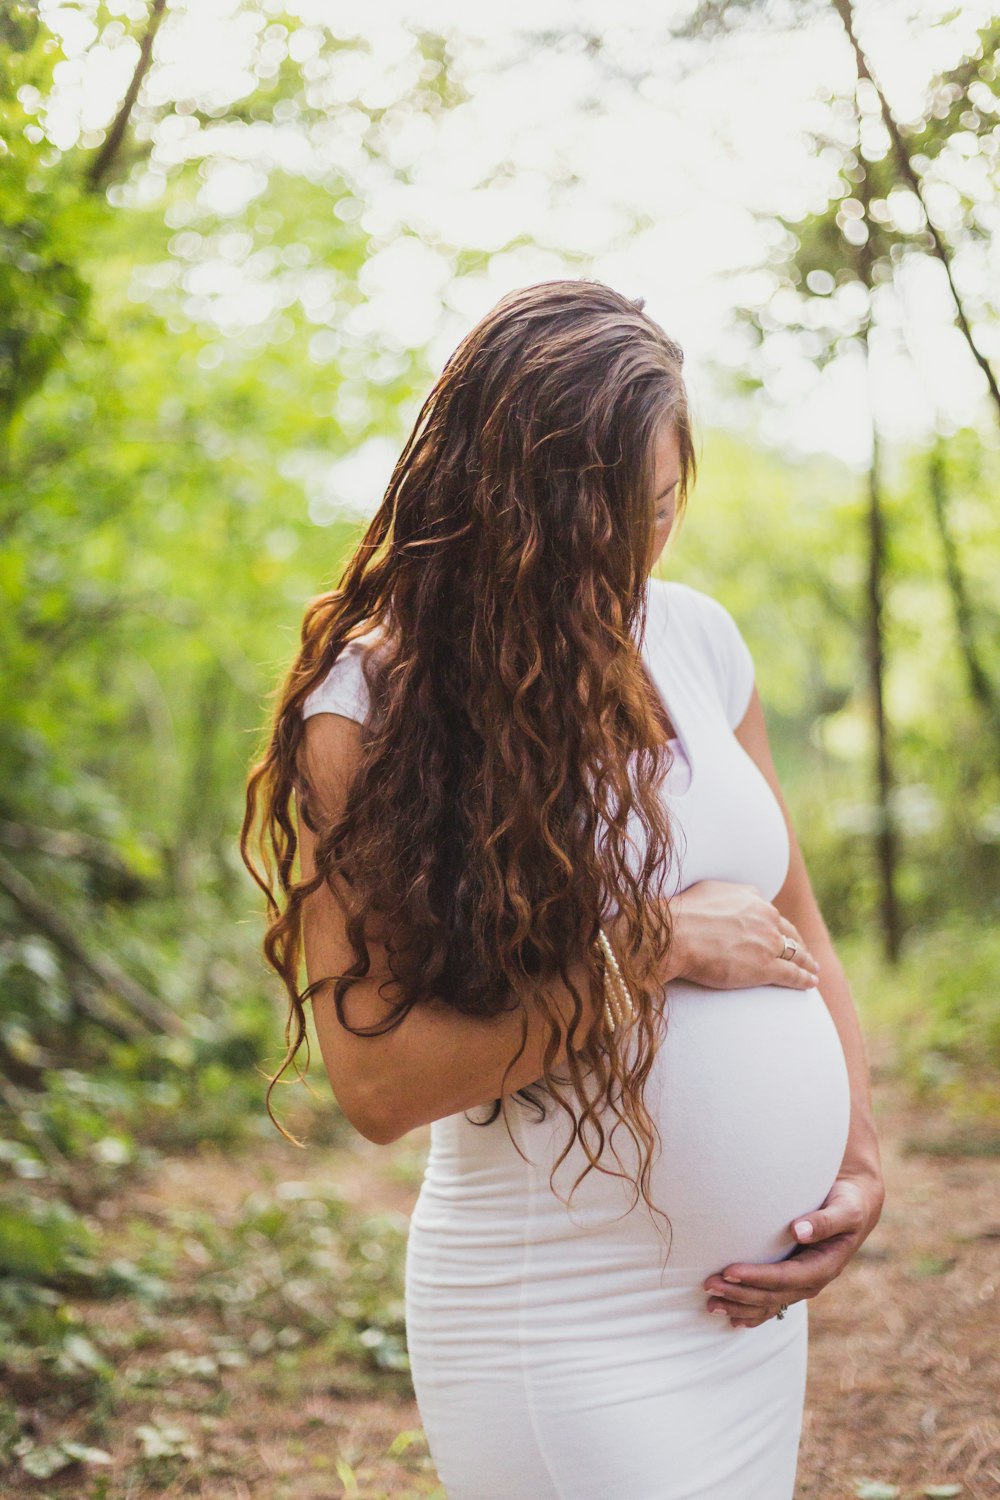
pixel 753 1104
pixel 750 1092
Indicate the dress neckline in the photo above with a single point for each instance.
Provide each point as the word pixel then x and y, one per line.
pixel 659 623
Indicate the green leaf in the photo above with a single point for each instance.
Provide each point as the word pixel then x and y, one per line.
pixel 42 1463
pixel 83 1454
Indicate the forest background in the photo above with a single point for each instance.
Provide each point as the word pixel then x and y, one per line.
pixel 212 348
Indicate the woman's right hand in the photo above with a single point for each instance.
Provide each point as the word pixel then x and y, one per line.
pixel 728 936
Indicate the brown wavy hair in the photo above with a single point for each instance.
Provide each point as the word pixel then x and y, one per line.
pixel 511 729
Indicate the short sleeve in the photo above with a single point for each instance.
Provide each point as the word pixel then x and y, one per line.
pixel 343 690
pixel 730 657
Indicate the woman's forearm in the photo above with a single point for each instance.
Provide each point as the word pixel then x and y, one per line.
pixel 862 1156
pixel 438 1062
pixel 797 902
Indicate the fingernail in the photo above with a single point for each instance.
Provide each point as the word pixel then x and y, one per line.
pixel 734 1279
pixel 803 1229
pixel 717 1309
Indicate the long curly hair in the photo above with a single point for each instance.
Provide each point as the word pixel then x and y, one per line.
pixel 512 731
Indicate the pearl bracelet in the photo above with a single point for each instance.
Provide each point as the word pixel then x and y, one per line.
pixel 614 986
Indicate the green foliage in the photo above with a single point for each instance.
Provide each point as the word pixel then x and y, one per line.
pixel 165 512
pixel 782 546
pixel 45 1242
pixel 940 1006
pixel 158 549
pixel 44 224
pixel 293 1275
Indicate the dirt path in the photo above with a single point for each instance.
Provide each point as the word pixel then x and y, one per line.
pixel 904 1348
pixel 904 1367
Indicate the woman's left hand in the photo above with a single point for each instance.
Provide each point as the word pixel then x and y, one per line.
pixel 828 1238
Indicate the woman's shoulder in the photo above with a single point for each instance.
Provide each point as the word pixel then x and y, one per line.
pixel 712 636
pixel 343 689
pixel 692 610
pixel 689 605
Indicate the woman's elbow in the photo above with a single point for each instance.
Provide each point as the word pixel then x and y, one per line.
pixel 382 1132
pixel 371 1118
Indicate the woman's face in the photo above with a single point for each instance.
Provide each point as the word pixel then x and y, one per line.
pixel 666 481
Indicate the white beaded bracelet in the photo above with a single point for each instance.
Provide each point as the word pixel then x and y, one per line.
pixel 615 987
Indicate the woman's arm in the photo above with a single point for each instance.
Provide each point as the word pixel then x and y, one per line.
pixel 797 902
pixel 829 1236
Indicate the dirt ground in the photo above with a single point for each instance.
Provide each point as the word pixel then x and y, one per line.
pixel 904 1364
pixel 904 1369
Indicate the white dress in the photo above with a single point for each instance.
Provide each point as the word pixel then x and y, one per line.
pixel 552 1355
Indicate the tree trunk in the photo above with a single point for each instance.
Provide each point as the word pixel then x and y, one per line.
pixel 886 848
pixel 980 685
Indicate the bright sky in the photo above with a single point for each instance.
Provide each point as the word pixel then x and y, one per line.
pixel 690 149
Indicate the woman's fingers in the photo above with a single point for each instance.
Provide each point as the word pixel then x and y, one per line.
pixel 750 1294
pixel 804 1272
pixel 787 929
pixel 747 1305
pixel 802 955
pixel 745 1301
pixel 752 1322
pixel 746 1314
pixel 792 975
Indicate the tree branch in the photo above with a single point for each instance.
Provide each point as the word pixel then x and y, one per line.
pixel 845 11
pixel 43 918
pixel 107 152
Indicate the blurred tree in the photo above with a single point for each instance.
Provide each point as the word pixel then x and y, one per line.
pixel 43 294
pixel 845 259
pixel 981 685
pixel 185 354
pixel 103 164
pixel 971 90
pixel 827 273
pixel 978 69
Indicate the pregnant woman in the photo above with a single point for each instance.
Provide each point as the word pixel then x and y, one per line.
pixel 551 903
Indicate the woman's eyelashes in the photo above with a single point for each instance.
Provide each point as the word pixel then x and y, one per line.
pixel 665 512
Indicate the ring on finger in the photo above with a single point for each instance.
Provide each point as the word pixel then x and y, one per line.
pixel 782 1310
pixel 789 949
